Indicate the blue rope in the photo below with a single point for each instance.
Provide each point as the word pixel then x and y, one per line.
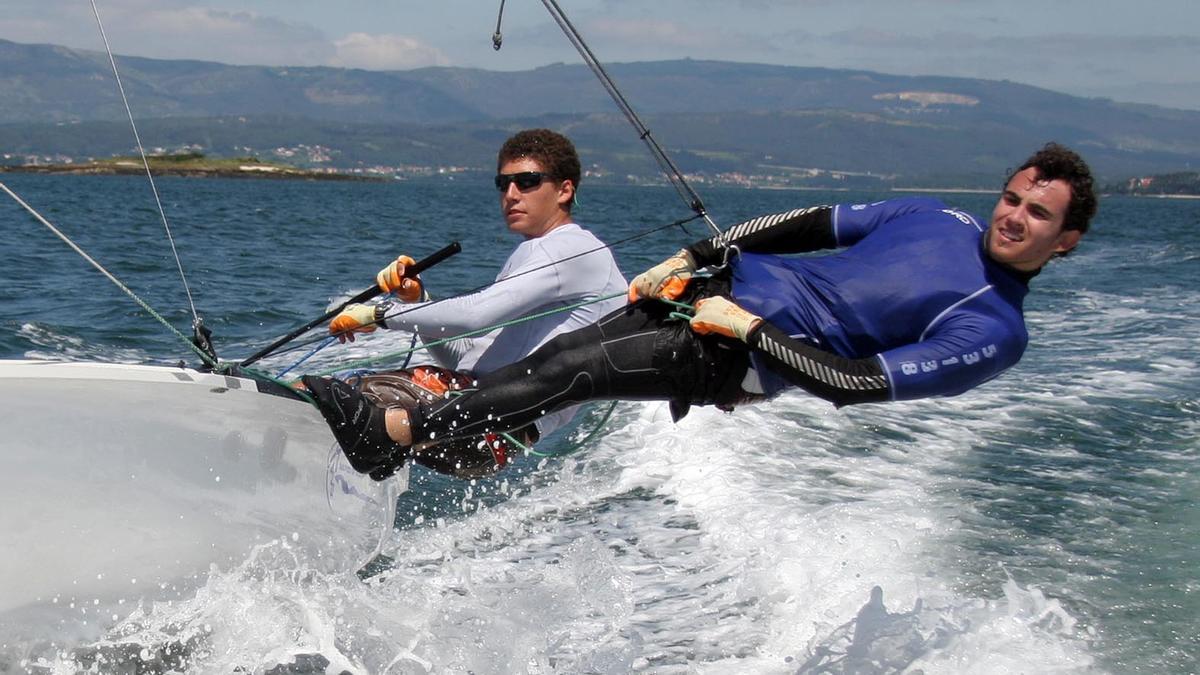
pixel 328 341
pixel 412 347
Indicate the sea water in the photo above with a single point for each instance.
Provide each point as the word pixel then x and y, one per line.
pixel 1046 522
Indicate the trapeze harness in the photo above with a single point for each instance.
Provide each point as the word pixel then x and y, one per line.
pixel 912 308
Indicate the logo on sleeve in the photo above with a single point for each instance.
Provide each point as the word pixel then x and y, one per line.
pixel 911 368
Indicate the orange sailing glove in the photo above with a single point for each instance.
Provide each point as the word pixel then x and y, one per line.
pixel 391 279
pixel 356 319
pixel 668 279
pixel 719 315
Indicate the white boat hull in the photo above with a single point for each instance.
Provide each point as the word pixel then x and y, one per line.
pixel 122 483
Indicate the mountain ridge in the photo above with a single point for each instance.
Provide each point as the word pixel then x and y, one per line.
pixel 714 116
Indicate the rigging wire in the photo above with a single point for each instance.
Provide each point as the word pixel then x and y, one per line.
pixel 196 320
pixel 686 193
pixel 144 305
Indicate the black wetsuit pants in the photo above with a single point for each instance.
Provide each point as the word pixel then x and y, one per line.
pixel 638 352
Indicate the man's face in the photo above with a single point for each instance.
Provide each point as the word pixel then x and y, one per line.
pixel 534 211
pixel 1026 227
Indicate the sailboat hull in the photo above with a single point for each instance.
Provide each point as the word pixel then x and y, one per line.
pixel 122 482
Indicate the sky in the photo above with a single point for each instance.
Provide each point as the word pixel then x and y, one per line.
pixel 1144 52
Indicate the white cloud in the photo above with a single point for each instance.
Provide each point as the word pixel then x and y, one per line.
pixel 385 52
pixel 659 32
pixel 232 37
pixel 183 29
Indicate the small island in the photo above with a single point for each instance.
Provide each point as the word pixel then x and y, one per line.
pixel 191 164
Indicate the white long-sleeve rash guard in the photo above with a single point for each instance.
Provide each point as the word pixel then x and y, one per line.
pixel 565 266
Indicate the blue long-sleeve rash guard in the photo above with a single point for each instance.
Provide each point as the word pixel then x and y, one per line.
pixel 913 306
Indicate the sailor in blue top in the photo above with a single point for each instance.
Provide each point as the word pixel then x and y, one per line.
pixel 919 300
pixel 934 328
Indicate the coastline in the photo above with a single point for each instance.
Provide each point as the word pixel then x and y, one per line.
pixel 283 172
pixel 132 169
pixel 973 191
pixel 1164 196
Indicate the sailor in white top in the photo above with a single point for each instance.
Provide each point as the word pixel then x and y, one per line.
pixel 565 266
pixel 559 264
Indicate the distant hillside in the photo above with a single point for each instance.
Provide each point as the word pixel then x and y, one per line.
pixel 1185 183
pixel 712 116
pixel 190 164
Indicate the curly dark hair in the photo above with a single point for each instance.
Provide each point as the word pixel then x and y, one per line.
pixel 1058 162
pixel 551 149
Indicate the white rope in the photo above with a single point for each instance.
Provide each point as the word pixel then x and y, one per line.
pixel 145 162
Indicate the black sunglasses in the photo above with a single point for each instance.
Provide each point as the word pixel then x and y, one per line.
pixel 525 180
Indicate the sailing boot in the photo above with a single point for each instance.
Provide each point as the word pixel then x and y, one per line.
pixel 358 425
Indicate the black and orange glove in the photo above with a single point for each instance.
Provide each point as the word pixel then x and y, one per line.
pixel 391 279
pixel 719 315
pixel 356 319
pixel 668 279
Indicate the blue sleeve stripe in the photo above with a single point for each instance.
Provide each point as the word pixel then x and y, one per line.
pixel 951 308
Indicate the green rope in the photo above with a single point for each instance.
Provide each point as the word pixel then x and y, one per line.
pixel 528 449
pixel 577 445
pixel 260 375
pixel 676 303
